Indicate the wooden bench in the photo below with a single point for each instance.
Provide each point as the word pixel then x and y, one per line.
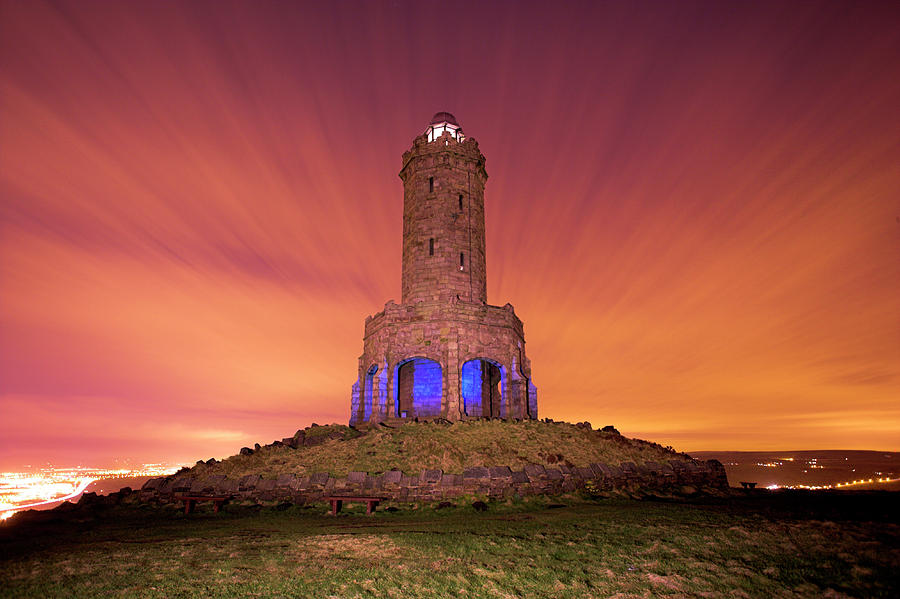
pixel 338 500
pixel 747 485
pixel 191 500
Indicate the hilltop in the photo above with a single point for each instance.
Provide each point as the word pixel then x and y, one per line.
pixel 452 447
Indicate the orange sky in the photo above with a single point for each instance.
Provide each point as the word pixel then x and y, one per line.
pixel 692 206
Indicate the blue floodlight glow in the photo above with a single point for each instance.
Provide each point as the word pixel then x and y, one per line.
pixel 427 387
pixel 472 386
pixel 368 401
pixel 367 393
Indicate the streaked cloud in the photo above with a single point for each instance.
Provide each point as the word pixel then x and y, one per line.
pixel 693 209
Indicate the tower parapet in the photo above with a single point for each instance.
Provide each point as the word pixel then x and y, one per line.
pixel 443 352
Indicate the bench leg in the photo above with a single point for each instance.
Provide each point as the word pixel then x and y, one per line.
pixel 336 506
pixel 188 506
pixel 217 505
pixel 370 506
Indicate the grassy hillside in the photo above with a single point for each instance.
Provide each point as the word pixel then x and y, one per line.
pixel 413 446
pixel 802 545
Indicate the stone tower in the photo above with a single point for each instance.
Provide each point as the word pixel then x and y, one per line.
pixel 443 352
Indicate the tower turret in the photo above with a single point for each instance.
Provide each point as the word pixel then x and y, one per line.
pixel 443 216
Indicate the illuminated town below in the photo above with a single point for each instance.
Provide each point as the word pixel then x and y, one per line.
pixel 811 470
pixel 42 488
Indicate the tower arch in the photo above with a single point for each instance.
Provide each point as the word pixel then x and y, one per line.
pixel 418 388
pixel 483 387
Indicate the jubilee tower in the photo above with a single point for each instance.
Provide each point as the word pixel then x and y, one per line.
pixel 443 352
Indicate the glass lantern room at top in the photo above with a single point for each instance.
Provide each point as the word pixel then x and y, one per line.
pixel 444 121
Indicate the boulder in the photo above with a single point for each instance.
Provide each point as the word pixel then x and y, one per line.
pixel 553 473
pixel 266 484
pixel 451 480
pixel 182 484
pixel 248 482
pixel 153 483
pixel 432 476
pixel 356 477
pixel 534 471
pixel 319 478
pixel 285 480
pixel 500 472
pixel 585 473
pixel 477 472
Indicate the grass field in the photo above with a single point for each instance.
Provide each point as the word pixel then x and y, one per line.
pixel 766 545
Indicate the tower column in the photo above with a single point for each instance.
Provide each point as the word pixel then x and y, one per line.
pixel 454 402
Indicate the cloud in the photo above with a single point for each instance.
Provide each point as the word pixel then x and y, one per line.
pixel 697 225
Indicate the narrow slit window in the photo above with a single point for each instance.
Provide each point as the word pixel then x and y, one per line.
pixel 430 184
pixel 462 259
pixel 460 203
pixel 431 247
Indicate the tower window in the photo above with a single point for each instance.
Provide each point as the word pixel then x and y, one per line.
pixel 462 260
pixel 460 203
pixel 430 184
pixel 431 247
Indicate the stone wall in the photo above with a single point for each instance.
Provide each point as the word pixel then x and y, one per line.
pixel 435 485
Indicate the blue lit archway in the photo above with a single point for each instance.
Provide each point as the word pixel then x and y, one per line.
pixel 482 383
pixel 418 388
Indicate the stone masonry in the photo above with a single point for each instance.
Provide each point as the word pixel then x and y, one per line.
pixel 443 352
pixel 676 477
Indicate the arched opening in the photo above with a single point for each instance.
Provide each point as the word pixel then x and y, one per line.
pixel 368 391
pixel 481 385
pixel 418 387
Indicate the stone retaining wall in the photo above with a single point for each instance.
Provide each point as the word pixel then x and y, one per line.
pixel 435 485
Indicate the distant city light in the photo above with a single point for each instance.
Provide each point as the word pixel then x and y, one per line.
pixel 836 485
pixel 26 490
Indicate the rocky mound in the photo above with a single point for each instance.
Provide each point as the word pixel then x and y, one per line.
pixel 451 447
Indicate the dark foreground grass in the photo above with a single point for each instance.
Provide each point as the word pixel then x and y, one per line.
pixel 787 545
